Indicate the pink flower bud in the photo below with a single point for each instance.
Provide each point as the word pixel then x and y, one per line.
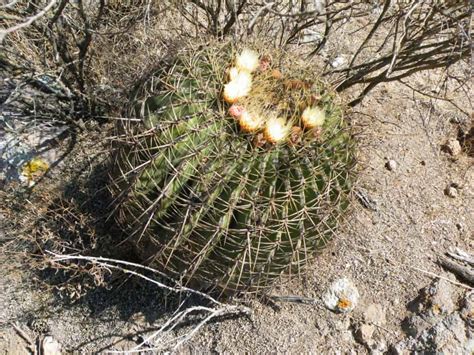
pixel 236 110
pixel 264 63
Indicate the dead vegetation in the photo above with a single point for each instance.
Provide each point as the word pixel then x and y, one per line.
pixel 95 53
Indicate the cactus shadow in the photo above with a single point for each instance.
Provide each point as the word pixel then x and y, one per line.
pixel 78 221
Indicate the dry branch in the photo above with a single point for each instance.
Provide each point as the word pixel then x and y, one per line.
pixel 28 21
pixel 461 255
pixel 218 309
pixel 463 272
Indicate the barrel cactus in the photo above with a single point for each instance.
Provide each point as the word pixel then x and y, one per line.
pixel 237 171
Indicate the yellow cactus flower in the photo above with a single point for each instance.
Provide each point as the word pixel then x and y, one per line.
pixel 247 60
pixel 313 117
pixel 276 130
pixel 233 73
pixel 250 122
pixel 239 87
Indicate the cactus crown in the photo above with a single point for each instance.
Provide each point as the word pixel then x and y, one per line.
pixel 238 171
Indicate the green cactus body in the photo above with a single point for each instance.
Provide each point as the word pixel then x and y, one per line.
pixel 204 202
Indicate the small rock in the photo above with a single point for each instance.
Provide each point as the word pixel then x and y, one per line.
pixel 391 165
pixel 50 346
pixel 342 296
pixel 442 297
pixel 451 191
pixel 453 147
pixel 364 334
pixel 375 314
pixel 434 302
pixel 337 62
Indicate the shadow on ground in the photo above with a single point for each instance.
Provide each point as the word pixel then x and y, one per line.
pixel 77 223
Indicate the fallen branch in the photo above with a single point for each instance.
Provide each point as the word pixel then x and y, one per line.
pixel 463 272
pixel 179 316
pixel 461 255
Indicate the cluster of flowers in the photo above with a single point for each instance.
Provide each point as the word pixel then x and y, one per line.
pixel 275 129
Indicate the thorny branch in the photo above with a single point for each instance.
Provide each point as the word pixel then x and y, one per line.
pixel 411 36
pixel 425 36
pixel 399 38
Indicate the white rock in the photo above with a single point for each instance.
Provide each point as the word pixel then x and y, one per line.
pixel 342 296
pixel 451 191
pixel 50 346
pixel 453 147
pixel 391 165
pixel 337 62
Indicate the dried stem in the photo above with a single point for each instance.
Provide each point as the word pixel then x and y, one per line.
pixel 218 309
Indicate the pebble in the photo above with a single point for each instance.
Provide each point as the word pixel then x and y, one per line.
pixel 50 346
pixel 451 191
pixel 337 62
pixel 364 334
pixel 391 165
pixel 342 296
pixel 441 296
pixel 453 147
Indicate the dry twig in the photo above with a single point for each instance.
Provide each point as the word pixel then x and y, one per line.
pixel 26 23
pixel 459 270
pixel 432 274
pixel 217 310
